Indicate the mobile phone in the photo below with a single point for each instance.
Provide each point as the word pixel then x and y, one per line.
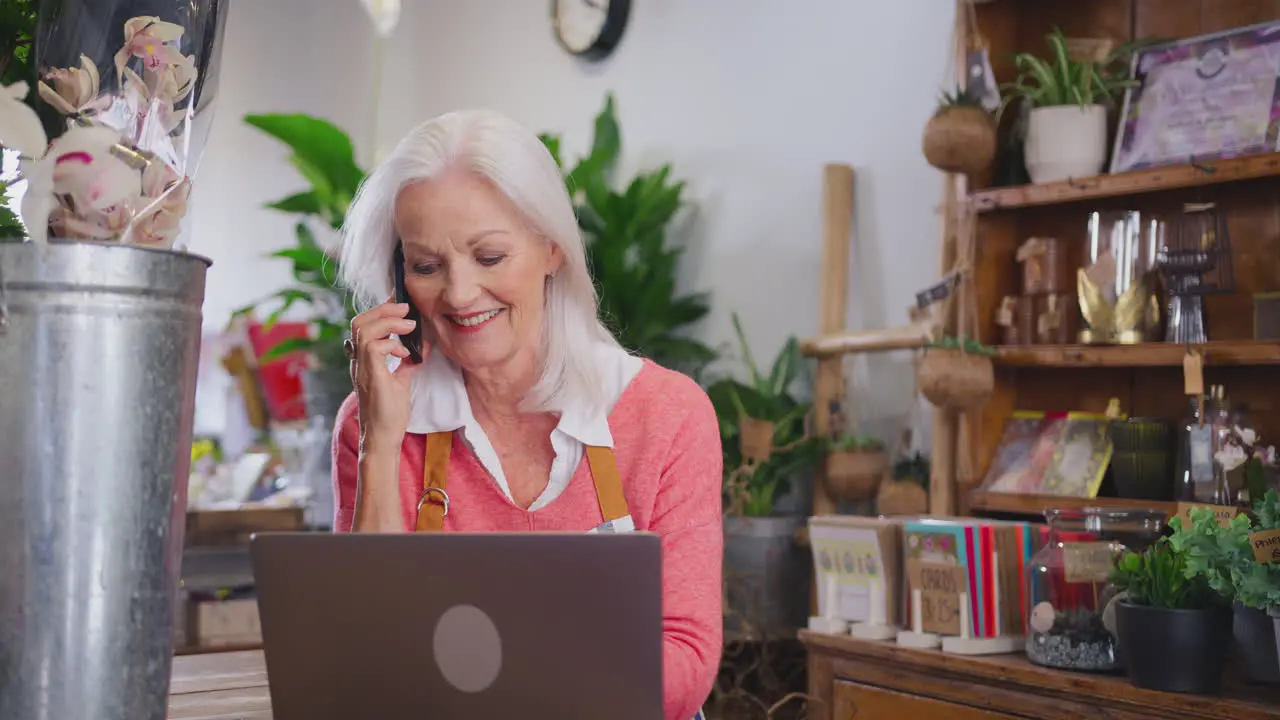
pixel 413 341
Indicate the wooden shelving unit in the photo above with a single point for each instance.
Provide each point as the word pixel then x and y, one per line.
pixel 992 502
pixel 1146 378
pixel 1226 352
pixel 1128 184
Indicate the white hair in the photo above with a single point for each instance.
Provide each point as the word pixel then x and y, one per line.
pixel 516 162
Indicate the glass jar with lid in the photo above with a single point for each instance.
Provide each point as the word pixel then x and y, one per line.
pixel 1069 622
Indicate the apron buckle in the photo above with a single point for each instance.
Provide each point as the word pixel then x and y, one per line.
pixel 444 498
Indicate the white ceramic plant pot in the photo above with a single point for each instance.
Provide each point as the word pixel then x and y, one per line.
pixel 1066 141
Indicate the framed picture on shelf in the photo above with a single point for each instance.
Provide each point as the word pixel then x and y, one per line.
pixel 1202 98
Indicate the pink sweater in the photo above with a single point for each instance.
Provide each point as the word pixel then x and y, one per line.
pixel 667 444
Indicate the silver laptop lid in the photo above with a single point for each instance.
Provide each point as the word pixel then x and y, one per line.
pixel 453 625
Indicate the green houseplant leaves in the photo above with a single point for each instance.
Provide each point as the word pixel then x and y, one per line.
pixel 1158 577
pixel 325 157
pixel 1060 80
pixel 635 269
pixel 1223 557
pixel 767 394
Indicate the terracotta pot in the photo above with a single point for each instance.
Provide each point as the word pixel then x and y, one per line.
pixel 756 439
pixel 960 140
pixel 855 474
pixel 956 380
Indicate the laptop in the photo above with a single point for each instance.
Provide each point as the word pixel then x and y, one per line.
pixel 455 625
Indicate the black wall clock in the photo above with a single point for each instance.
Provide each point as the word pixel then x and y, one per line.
pixel 589 29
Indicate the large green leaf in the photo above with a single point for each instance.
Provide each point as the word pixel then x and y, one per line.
pixel 316 142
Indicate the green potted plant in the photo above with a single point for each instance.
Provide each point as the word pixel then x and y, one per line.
pixel 325 157
pixel 1224 557
pixel 1173 627
pixel 625 227
pixel 961 135
pixel 1069 99
pixel 956 373
pixel 766 573
pixel 856 464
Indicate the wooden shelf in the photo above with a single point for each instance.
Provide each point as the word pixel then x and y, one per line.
pixel 1037 504
pixel 1156 354
pixel 847 675
pixel 1172 177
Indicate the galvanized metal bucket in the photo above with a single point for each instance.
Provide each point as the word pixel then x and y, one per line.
pixel 99 346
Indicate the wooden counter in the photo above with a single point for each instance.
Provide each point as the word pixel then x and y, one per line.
pixel 220 686
pixel 851 678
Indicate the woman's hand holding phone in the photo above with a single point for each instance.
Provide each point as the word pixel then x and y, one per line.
pixel 383 394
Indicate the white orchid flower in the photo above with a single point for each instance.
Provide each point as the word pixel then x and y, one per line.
pixel 165 196
pixel 38 199
pixel 1230 457
pixel 80 166
pixel 148 38
pixel 86 169
pixel 173 81
pixel 384 13
pixel 72 91
pixel 20 127
pixel 153 110
pixel 1248 436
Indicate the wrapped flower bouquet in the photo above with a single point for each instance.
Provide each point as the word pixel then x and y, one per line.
pixel 115 128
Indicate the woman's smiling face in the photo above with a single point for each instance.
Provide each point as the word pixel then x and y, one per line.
pixel 474 269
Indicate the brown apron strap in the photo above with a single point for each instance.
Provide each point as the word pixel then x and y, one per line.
pixel 433 504
pixel 604 472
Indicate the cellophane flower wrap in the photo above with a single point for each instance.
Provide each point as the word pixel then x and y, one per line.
pixel 124 93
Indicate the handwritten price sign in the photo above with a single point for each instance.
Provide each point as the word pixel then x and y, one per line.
pixel 1266 546
pixel 940 585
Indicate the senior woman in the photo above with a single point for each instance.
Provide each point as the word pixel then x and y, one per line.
pixel 524 409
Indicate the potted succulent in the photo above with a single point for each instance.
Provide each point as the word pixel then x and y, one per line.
pixel 855 466
pixel 1173 627
pixel 907 492
pixel 1224 557
pixel 961 135
pixel 1069 99
pixel 957 373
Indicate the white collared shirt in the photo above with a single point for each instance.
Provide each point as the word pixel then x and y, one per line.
pixel 439 403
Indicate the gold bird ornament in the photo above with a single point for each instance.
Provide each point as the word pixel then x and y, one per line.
pixel 1096 311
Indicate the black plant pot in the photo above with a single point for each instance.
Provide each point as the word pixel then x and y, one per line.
pixel 1180 651
pixel 1255 643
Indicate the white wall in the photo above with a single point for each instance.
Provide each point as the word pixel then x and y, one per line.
pixel 747 99
pixel 278 56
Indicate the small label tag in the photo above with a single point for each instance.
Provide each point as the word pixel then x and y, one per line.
pixel 1223 513
pixel 980 79
pixel 1192 374
pixel 621 525
pixel 1087 562
pixel 1004 315
pixel 937 292
pixel 1266 546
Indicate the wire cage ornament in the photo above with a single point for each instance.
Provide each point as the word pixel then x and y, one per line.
pixel 1195 260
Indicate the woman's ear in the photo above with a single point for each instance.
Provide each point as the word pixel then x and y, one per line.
pixel 554 260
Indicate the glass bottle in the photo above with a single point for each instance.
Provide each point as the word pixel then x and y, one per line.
pixel 1195 451
pixel 1070 621
pixel 1219 416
